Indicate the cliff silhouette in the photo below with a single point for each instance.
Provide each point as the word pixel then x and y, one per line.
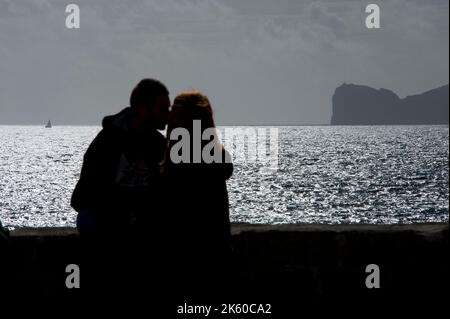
pixel 363 105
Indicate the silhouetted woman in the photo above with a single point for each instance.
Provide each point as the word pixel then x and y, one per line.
pixel 195 171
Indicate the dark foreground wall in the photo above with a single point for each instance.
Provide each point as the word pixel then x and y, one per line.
pixel 296 263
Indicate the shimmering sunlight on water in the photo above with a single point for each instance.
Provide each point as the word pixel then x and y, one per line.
pixel 327 174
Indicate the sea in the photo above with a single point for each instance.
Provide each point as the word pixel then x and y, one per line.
pixel 323 174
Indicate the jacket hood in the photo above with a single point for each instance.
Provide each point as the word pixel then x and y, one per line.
pixel 118 121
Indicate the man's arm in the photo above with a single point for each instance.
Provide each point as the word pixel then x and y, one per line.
pixel 92 185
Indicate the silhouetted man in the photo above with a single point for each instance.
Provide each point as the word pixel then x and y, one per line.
pixel 118 185
pixel 117 195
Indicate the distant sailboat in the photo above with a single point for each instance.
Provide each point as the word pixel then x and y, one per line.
pixel 49 124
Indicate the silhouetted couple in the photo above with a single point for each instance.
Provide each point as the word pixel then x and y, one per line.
pixel 149 221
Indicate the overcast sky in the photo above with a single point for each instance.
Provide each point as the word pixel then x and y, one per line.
pixel 259 61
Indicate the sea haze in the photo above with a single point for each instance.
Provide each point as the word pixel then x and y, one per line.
pixel 326 174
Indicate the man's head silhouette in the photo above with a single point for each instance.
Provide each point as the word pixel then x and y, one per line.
pixel 150 103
